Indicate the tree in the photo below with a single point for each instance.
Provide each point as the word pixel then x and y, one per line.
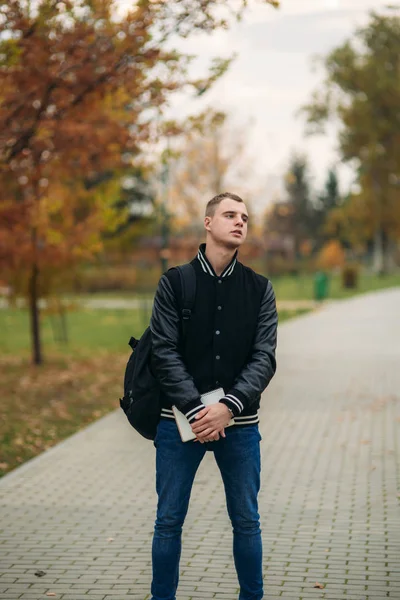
pixel 301 210
pixel 79 91
pixel 210 158
pixel 135 198
pixel 351 224
pixel 330 197
pixel 331 255
pixel 362 91
pixel 327 201
pixel 290 226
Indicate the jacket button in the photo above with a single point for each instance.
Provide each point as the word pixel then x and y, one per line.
pixel 219 280
pixel 218 357
pixel 219 307
pixel 217 332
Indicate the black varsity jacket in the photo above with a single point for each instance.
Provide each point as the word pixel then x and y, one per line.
pixel 230 342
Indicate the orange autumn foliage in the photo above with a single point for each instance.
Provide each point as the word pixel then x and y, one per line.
pixel 79 90
pixel 331 255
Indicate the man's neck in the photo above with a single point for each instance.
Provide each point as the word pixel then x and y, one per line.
pixel 218 256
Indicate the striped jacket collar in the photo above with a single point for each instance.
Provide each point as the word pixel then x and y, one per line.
pixel 207 267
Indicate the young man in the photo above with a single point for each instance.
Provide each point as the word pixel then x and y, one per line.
pixel 230 344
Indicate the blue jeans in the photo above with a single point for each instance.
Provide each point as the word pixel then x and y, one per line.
pixel 238 459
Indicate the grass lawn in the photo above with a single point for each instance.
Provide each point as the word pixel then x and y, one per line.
pixel 89 331
pixel 79 382
pixel 302 287
pixel 82 380
pixel 41 406
pixel 288 287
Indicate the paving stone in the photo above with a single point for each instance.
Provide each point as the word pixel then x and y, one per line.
pixel 83 512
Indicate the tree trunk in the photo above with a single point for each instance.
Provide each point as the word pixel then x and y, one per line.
pixel 389 261
pixel 377 264
pixel 37 358
pixel 218 174
pixel 164 251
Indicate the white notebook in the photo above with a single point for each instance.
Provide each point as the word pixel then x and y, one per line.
pixel 183 424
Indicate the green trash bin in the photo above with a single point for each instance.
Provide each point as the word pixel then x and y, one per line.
pixel 320 285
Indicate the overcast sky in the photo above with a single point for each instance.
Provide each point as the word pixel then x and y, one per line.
pixel 273 76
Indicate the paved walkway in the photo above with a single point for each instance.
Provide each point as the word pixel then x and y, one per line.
pixel 145 304
pixel 83 512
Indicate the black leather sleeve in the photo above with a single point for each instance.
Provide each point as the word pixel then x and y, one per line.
pixel 261 367
pixel 168 364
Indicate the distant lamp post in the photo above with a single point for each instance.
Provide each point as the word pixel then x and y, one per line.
pixel 165 252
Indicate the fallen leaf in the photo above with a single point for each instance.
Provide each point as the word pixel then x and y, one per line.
pixel 365 442
pixel 110 539
pixel 40 573
pixel 51 594
pixel 320 586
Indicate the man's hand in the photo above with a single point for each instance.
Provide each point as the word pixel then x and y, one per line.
pixel 210 422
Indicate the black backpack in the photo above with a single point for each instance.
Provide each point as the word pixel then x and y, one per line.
pixel 141 401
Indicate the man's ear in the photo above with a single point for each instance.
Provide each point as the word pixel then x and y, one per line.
pixel 207 221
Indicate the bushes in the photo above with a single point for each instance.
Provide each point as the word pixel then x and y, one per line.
pixel 117 278
pixel 142 277
pixel 331 256
pixel 279 265
pixel 105 279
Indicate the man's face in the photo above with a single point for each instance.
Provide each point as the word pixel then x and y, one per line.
pixel 228 226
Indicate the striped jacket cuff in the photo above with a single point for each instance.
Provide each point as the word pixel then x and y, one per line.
pixel 191 409
pixel 233 402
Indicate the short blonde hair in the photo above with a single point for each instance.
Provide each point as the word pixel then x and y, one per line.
pixel 213 203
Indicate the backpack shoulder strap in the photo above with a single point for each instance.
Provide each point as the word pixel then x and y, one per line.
pixel 188 284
